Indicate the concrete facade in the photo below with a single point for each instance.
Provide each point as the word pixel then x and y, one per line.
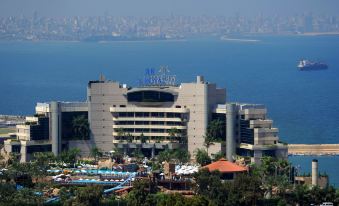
pixel 189 111
pixel 250 132
pixel 150 119
pixel 43 132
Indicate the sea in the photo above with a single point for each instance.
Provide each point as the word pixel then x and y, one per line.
pixel 254 69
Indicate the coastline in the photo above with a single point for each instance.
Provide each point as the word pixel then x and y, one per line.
pixel 245 37
pixel 239 39
pixel 319 34
pixel 313 149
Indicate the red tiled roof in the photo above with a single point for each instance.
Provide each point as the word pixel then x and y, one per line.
pixel 225 166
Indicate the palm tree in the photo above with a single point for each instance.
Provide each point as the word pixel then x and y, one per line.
pixel 70 156
pixel 143 139
pixel 208 141
pixel 173 133
pixel 95 153
pixel 202 157
pixel 41 163
pixel 81 127
pixel 215 129
pixel 121 132
pixel 129 137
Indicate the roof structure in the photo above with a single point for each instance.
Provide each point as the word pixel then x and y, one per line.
pixel 225 166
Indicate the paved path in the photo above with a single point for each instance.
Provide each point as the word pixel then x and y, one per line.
pixel 313 149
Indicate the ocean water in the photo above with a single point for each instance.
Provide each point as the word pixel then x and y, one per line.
pixel 303 105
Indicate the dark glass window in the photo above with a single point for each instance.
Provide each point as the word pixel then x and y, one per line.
pixel 16 148
pixel 41 130
pixel 70 126
pixel 150 96
pixel 39 148
pixel 142 123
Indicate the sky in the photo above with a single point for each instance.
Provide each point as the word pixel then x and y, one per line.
pixel 166 7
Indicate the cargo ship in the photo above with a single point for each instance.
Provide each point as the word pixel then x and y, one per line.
pixel 305 65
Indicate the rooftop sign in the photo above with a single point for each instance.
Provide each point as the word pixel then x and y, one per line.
pixel 158 77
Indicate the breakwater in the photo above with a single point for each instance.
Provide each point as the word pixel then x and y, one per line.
pixel 313 149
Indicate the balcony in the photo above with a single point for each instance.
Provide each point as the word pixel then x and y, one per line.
pixel 161 145
pixel 148 127
pixel 148 109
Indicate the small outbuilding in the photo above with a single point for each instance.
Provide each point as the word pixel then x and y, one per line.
pixel 228 169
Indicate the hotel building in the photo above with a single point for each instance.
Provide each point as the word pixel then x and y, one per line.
pixel 149 118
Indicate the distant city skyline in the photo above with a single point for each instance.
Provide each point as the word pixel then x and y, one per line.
pixel 112 28
pixel 165 7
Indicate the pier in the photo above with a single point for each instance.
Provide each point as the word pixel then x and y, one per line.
pixel 313 149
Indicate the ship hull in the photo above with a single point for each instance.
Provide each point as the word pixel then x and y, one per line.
pixel 313 67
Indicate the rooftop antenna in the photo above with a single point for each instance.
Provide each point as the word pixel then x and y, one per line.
pixel 102 78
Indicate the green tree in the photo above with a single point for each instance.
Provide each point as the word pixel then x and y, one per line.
pixel 216 130
pixel 27 196
pixel 64 195
pixel 173 134
pixel 203 179
pixel 143 139
pixel 247 187
pixel 129 137
pixel 81 127
pixel 208 141
pixel 201 156
pixel 137 153
pixel 41 163
pixel 89 195
pixel 6 193
pixel 218 156
pixel 96 153
pixel 176 155
pixel 164 156
pixel 181 155
pixel 140 192
pixel 170 199
pixel 69 156
pixel 21 173
pixel 301 195
pixel 121 133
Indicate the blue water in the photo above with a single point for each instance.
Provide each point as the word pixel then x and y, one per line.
pixel 304 105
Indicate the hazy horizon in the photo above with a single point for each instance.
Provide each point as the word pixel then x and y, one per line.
pixel 165 7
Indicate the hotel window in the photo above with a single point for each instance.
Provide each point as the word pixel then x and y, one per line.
pixel 157 114
pixel 157 130
pixel 139 114
pixel 177 115
pixel 170 115
pixel 122 114
pixel 142 123
pixel 129 114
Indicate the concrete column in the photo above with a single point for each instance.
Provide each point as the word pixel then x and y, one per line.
pixel 206 112
pixel 55 127
pixel 153 151
pixel 200 79
pixel 23 153
pixel 231 112
pixel 314 172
